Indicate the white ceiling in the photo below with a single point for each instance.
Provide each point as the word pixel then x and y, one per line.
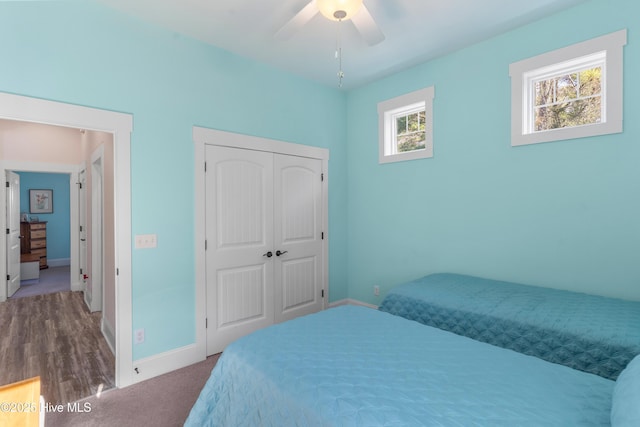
pixel 415 30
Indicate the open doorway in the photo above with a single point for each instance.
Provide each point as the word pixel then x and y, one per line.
pixel 48 207
pixel 42 207
pixel 26 109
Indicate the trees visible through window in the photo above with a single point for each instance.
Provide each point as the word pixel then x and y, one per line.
pixel 410 132
pixel 572 99
pixel 572 92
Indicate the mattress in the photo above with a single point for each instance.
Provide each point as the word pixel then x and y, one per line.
pixel 586 332
pixel 357 366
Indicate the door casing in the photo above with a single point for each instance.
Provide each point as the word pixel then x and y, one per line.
pixel 94 292
pixel 204 136
pixel 22 108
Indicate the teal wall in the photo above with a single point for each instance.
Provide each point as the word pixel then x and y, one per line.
pixel 562 214
pixel 58 223
pixel 83 53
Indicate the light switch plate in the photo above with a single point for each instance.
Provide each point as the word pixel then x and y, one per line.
pixel 145 241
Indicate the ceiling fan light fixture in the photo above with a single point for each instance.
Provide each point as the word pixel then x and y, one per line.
pixel 339 10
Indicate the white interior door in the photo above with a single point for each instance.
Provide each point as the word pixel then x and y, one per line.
pixel 239 236
pixel 298 236
pixel 82 219
pixel 13 236
pixel 264 257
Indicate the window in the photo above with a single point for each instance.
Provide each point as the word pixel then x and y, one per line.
pixel 406 127
pixel 571 98
pixel 569 93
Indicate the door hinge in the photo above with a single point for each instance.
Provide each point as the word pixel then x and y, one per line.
pixel 205 166
pixel 81 229
pixel 80 271
pixel 206 323
pixel 322 177
pixel 322 293
pixel 205 245
pixel 7 182
pixel 322 236
pixel 8 277
pixel 117 271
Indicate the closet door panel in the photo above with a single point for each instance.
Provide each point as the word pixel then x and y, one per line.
pixel 298 236
pixel 239 232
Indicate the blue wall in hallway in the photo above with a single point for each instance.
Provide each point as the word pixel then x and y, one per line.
pixel 58 223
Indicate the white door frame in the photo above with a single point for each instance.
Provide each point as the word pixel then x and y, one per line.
pixel 204 136
pixel 22 108
pixel 97 230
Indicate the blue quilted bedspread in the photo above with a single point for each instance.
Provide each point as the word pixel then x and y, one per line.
pixel 354 366
pixel 586 332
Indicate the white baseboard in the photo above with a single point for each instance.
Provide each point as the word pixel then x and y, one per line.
pixel 58 262
pixel 147 368
pixel 144 369
pixel 349 301
pixel 109 334
pixel 77 286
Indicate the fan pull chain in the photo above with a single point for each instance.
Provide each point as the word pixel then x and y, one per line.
pixel 339 54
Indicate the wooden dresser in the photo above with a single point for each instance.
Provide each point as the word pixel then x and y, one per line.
pixel 33 246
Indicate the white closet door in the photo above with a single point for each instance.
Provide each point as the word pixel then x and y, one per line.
pixel 298 239
pixel 239 234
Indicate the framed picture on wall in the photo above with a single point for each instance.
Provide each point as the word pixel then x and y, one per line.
pixel 40 201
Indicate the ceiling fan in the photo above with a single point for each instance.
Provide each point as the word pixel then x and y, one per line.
pixel 335 10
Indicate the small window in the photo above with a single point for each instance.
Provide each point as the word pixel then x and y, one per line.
pixel 569 93
pixel 405 127
pixel 569 98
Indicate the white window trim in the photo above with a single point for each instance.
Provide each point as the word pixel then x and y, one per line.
pixel 390 108
pixel 612 44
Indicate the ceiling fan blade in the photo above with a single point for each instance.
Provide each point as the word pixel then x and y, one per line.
pixel 298 21
pixel 391 9
pixel 367 26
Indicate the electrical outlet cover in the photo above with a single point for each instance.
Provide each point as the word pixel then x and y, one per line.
pixel 138 336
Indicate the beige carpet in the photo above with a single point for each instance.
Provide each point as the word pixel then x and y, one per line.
pixel 164 401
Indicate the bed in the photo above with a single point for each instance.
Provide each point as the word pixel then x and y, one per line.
pixel 357 366
pixel 586 332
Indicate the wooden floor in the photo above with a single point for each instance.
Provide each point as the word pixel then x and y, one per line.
pixel 56 337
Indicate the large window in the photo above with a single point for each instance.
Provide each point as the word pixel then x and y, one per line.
pixel 405 127
pixel 568 93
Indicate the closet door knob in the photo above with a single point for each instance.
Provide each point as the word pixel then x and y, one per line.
pixel 278 253
pixel 268 254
